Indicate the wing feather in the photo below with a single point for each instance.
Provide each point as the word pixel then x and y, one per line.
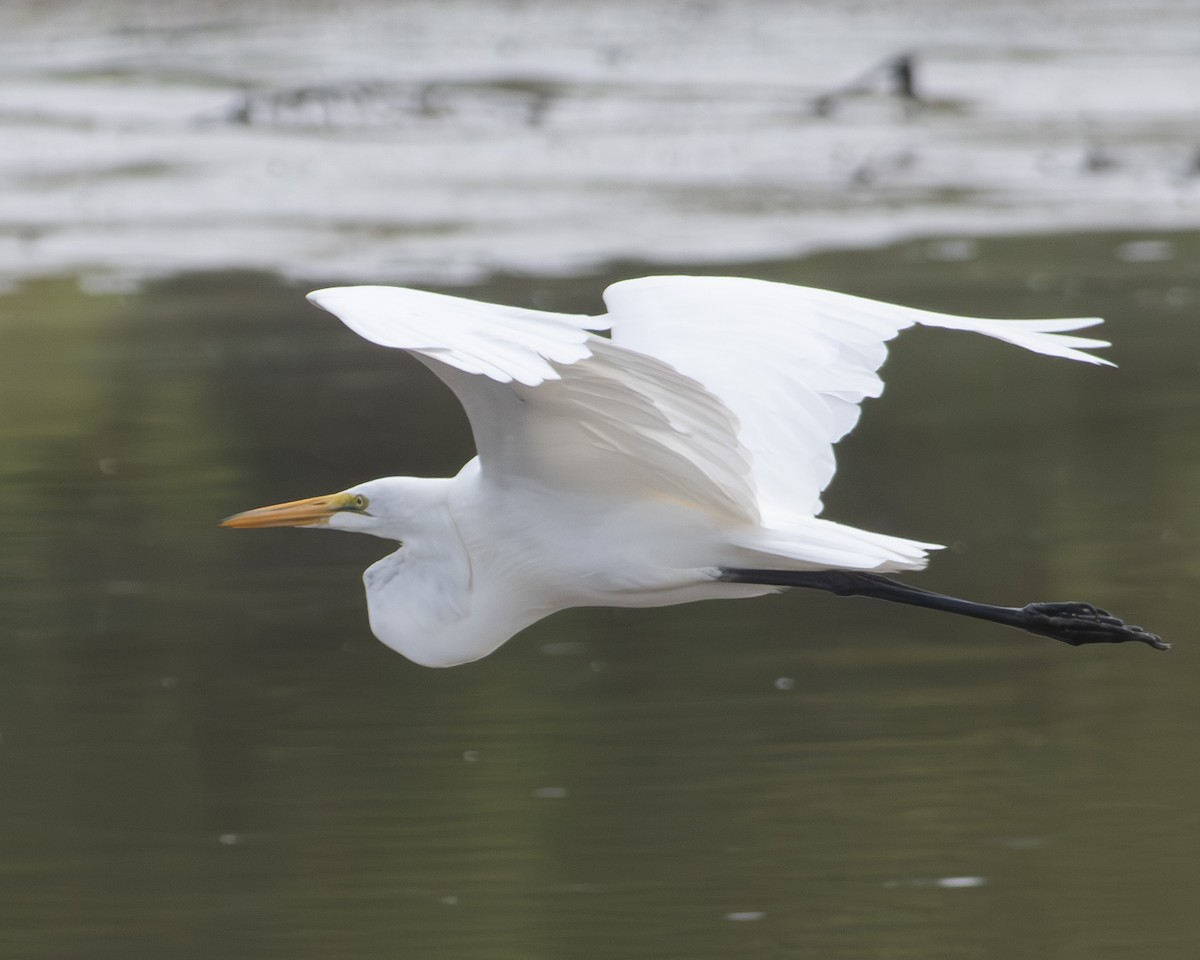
pixel 722 392
pixel 551 404
pixel 503 343
pixel 793 363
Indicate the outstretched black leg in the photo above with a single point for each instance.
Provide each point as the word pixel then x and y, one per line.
pixel 1073 623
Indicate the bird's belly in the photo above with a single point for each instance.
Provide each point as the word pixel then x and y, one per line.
pixel 642 554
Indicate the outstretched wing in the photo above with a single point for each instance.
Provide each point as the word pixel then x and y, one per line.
pixel 792 363
pixel 552 404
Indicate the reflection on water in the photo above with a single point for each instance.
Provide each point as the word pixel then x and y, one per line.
pixel 203 750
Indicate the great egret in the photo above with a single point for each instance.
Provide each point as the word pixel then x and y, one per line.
pixel 681 458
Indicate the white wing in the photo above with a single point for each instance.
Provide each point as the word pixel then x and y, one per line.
pixel 552 404
pixel 792 363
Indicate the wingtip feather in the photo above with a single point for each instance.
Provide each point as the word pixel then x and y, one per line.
pixel 1047 337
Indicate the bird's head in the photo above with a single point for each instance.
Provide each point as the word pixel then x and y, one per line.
pixel 389 508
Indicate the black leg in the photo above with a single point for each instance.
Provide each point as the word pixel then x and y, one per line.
pixel 1073 623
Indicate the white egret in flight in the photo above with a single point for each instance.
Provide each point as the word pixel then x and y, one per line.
pixel 680 458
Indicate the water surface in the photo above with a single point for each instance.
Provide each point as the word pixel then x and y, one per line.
pixel 203 752
pixel 447 139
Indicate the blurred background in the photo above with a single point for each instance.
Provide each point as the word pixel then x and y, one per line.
pixel 204 752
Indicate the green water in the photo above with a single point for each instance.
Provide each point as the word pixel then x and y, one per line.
pixel 204 753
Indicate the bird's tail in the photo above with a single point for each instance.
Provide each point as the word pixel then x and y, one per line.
pixel 810 543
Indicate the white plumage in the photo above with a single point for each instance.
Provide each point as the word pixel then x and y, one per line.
pixel 661 464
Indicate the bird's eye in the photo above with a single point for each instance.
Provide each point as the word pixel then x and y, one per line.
pixel 360 502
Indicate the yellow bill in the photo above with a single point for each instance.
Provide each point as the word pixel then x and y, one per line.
pixel 297 513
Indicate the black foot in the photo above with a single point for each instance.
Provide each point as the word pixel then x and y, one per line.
pixel 1080 623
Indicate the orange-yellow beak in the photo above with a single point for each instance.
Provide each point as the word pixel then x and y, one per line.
pixel 297 513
